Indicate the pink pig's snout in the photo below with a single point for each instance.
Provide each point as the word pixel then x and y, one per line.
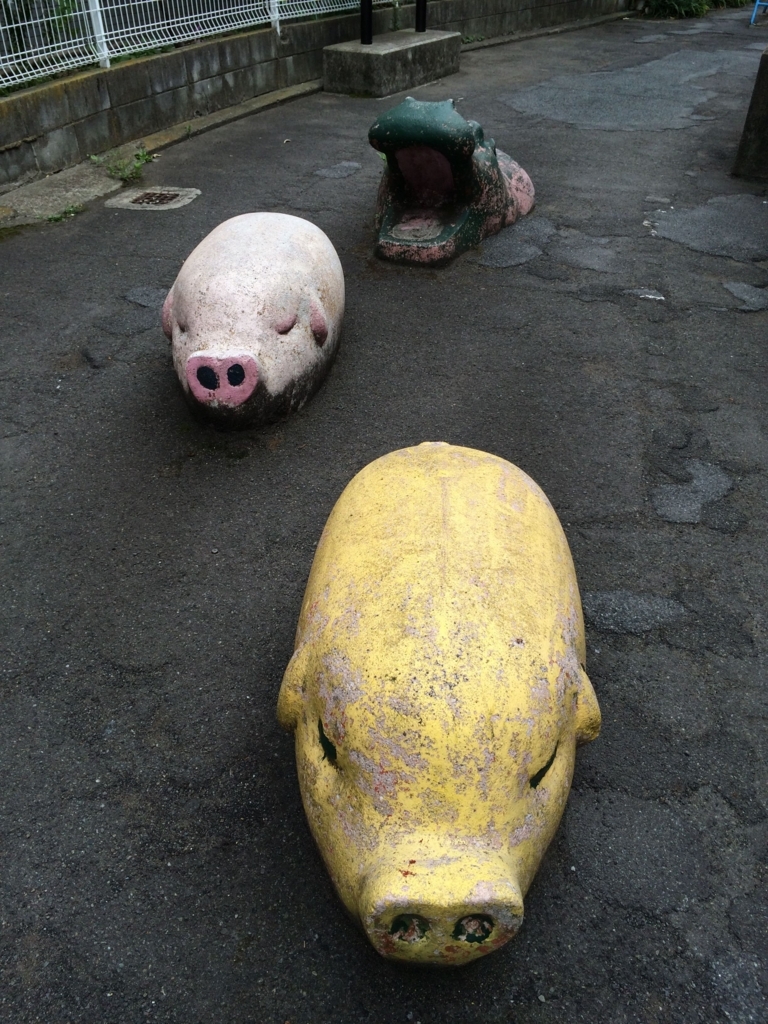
pixel 227 380
pixel 416 914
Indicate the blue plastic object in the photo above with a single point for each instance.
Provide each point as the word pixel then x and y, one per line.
pixel 758 5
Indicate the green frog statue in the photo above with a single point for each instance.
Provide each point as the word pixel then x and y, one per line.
pixel 445 187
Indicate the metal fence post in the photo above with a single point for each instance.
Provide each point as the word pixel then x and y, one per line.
pixel 273 7
pixel 366 22
pixel 99 36
pixel 421 15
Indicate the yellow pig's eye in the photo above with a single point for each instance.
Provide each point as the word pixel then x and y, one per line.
pixel 536 779
pixel 329 748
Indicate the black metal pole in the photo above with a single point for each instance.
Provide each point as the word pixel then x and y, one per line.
pixel 366 22
pixel 421 15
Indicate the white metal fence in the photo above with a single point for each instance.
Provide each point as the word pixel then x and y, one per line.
pixel 42 37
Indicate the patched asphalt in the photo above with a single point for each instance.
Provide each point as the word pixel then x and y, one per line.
pixel 156 864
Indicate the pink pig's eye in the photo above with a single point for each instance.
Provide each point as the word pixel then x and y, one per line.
pixel 536 779
pixel 286 325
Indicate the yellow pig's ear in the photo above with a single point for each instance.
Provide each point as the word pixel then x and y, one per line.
pixel 290 698
pixel 587 710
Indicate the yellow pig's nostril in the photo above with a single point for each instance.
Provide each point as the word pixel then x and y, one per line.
pixel 409 928
pixel 474 928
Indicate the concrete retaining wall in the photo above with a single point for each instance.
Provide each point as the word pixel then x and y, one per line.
pixel 54 125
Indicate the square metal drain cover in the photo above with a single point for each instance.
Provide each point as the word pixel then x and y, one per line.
pixel 159 197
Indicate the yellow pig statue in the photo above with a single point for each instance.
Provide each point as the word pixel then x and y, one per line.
pixel 438 692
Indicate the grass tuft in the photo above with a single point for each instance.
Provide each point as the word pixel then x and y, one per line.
pixel 129 169
pixel 66 213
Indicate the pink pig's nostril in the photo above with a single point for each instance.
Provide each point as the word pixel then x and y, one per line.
pixel 222 380
pixel 207 377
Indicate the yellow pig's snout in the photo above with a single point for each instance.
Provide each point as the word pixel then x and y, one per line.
pixel 435 911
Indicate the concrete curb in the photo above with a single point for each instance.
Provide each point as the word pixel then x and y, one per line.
pixel 571 26
pixel 199 125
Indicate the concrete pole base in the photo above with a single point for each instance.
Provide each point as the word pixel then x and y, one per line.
pixel 393 62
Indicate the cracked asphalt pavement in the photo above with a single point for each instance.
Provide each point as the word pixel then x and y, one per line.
pixel 156 864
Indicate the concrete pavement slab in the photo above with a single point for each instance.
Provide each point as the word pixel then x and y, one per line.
pixel 735 226
pixel 49 197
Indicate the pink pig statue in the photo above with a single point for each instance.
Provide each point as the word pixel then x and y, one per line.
pixel 254 318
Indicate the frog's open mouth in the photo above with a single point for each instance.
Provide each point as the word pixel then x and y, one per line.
pixel 445 186
pixel 428 210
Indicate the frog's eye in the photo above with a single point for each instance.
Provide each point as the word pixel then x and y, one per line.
pixel 536 779
pixel 329 748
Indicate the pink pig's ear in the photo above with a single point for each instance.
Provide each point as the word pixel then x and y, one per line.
pixel 588 716
pixel 167 316
pixel 291 698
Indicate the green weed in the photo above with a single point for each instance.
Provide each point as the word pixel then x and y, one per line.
pixel 128 169
pixel 66 213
